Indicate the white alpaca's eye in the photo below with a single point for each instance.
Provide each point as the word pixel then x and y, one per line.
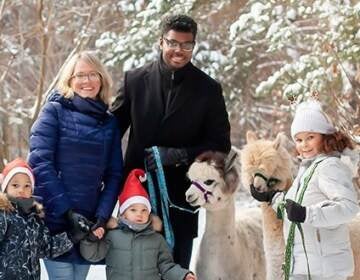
pixel 209 182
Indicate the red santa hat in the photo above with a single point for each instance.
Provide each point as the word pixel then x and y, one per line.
pixel 133 191
pixel 14 167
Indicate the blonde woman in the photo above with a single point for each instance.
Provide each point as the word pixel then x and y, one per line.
pixel 76 159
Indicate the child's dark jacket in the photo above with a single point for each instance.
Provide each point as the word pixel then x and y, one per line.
pixel 24 239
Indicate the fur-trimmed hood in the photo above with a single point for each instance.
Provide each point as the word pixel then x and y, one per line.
pixel 6 205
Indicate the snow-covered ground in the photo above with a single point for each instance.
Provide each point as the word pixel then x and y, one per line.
pixel 97 272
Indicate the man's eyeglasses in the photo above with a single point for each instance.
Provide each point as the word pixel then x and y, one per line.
pixel 185 46
pixel 91 76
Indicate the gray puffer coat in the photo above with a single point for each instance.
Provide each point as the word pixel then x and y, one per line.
pixel 131 255
pixel 24 239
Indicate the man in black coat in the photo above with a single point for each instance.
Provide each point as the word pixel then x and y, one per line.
pixel 172 104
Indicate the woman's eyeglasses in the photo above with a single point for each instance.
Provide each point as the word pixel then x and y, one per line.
pixel 91 76
pixel 185 46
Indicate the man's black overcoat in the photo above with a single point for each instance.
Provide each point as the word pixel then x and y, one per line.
pixel 196 120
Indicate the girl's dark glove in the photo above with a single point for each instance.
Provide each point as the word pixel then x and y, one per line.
pixel 168 156
pixel 262 196
pixel 295 212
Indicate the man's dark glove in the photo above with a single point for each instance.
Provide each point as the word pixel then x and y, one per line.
pixel 79 226
pixel 295 212
pixel 99 223
pixel 262 196
pixel 168 156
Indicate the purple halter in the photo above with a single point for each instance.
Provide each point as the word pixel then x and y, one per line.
pixel 202 189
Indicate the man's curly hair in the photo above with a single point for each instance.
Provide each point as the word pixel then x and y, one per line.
pixel 180 23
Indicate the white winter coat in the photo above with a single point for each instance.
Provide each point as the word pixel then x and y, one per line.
pixel 331 202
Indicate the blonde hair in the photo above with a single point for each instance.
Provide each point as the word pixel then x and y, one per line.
pixel 67 72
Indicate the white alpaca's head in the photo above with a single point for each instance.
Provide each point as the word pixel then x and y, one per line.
pixel 266 164
pixel 214 179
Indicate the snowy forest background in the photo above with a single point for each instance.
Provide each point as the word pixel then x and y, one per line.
pixel 265 54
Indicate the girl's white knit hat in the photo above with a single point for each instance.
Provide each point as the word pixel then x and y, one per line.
pixel 309 117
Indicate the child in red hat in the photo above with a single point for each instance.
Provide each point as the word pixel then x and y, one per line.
pixel 133 250
pixel 24 238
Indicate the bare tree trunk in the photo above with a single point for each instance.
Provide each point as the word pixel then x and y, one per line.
pixel 2 6
pixel 44 47
pixel 80 44
pixel 4 119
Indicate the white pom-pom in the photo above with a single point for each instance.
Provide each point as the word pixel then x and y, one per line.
pixel 142 178
pixel 309 105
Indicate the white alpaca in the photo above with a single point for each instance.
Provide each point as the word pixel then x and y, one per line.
pixel 231 248
pixel 272 160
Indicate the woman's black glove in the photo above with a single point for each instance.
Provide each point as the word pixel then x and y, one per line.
pixel 295 212
pixel 262 196
pixel 79 225
pixel 168 156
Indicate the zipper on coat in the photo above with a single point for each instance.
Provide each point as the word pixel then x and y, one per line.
pixel 318 235
pixel 170 93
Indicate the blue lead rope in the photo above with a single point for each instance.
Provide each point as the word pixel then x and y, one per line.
pixel 164 197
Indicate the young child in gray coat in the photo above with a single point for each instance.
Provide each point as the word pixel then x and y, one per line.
pixel 133 250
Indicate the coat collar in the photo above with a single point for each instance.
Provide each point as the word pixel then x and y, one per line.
pixel 9 205
pixel 95 108
pixel 154 90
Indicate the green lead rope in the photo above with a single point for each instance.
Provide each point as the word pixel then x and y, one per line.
pixel 290 239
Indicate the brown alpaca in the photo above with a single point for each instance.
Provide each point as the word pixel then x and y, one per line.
pixel 272 160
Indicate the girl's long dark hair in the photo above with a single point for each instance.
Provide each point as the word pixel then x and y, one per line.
pixel 337 141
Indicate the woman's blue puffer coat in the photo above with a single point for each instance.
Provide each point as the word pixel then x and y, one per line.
pixel 75 153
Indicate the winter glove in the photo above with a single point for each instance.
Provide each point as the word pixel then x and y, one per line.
pixel 79 226
pixel 168 156
pixel 262 196
pixel 295 212
pixel 92 237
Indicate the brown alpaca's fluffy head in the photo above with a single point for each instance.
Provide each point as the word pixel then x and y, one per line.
pixel 266 164
pixel 214 179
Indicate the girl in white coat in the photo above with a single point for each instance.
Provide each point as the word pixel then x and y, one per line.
pixel 320 202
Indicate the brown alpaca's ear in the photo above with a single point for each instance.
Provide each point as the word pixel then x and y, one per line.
pixel 279 140
pixel 251 136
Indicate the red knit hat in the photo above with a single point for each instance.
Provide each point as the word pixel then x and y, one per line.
pixel 133 191
pixel 14 167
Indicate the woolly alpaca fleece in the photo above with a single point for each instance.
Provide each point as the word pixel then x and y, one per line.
pixel 14 167
pixel 309 117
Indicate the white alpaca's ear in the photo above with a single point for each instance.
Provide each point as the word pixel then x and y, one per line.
pixel 230 159
pixel 251 136
pixel 232 180
pixel 279 140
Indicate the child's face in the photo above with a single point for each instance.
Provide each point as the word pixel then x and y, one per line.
pixel 137 213
pixel 309 144
pixel 19 186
